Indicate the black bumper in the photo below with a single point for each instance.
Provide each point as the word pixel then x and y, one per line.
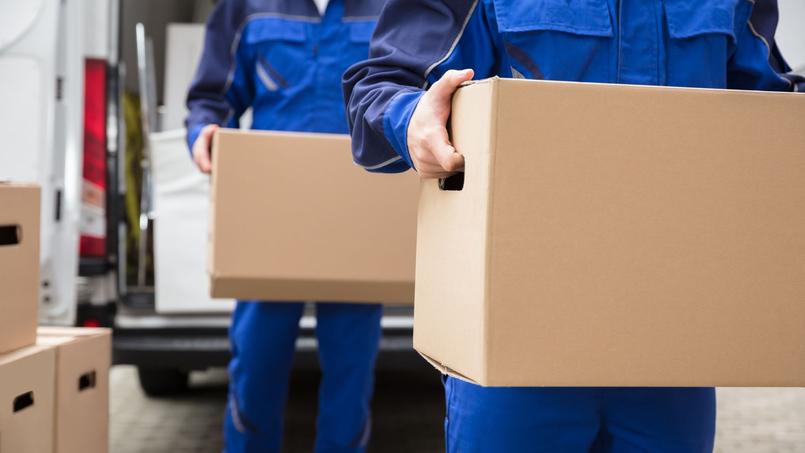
pixel 202 348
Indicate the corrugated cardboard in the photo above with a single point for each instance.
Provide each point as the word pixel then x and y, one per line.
pixel 293 219
pixel 26 400
pixel 19 265
pixel 83 358
pixel 615 235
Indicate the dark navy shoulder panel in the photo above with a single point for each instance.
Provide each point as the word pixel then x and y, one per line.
pixel 301 8
pixel 355 9
pixel 438 27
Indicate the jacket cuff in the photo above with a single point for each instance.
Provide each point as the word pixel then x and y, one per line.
pixel 396 119
pixel 192 134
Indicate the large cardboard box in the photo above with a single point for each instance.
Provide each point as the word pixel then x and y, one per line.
pixel 293 219
pixel 83 358
pixel 613 235
pixel 26 400
pixel 19 265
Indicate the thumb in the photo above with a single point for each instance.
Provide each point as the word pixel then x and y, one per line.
pixel 209 131
pixel 444 88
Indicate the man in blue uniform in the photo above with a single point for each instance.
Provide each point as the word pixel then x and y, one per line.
pixel 399 104
pixel 284 60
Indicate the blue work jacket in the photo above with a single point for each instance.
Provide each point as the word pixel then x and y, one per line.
pixel 688 43
pixel 281 58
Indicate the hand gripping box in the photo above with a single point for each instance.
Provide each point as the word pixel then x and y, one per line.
pixel 611 235
pixel 19 265
pixel 294 219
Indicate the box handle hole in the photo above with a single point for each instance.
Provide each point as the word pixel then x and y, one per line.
pixel 23 401
pixel 10 235
pixel 453 183
pixel 86 381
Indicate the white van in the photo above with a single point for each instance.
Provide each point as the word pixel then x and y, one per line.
pixel 65 69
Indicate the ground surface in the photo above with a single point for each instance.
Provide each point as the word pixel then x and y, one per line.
pixel 408 415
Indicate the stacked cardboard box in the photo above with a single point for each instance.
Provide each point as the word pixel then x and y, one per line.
pixel 19 265
pixel 293 219
pixel 82 358
pixel 54 386
pixel 27 372
pixel 609 235
pixel 27 399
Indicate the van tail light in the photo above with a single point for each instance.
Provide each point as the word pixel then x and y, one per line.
pixel 93 190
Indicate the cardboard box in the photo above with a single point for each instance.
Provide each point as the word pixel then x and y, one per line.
pixel 83 358
pixel 19 265
pixel 611 235
pixel 293 219
pixel 26 400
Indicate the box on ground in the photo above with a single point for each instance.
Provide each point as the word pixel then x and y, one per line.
pixel 293 219
pixel 610 235
pixel 83 358
pixel 19 265
pixel 27 400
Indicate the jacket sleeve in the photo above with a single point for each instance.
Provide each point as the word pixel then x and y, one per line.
pixel 756 62
pixel 415 43
pixel 222 88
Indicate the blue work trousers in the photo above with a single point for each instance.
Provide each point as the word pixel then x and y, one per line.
pixel 263 337
pixel 578 420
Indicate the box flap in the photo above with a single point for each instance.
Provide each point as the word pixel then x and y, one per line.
pixel 72 332
pixel 444 369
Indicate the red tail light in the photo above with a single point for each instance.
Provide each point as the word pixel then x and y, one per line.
pixel 93 191
pixel 91 323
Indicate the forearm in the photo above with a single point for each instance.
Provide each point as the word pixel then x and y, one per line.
pixel 416 42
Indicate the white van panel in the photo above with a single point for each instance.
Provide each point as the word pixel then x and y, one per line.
pixel 41 94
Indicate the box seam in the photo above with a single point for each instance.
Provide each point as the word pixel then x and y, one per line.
pixel 488 246
pixel 211 216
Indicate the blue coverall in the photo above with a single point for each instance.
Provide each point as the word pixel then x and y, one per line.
pixel 284 60
pixel 693 43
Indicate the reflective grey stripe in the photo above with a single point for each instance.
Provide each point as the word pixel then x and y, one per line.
pixel 367 431
pixel 235 413
pixel 358 18
pixel 517 74
pixel 269 83
pixel 363 440
pixel 453 46
pixel 380 165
